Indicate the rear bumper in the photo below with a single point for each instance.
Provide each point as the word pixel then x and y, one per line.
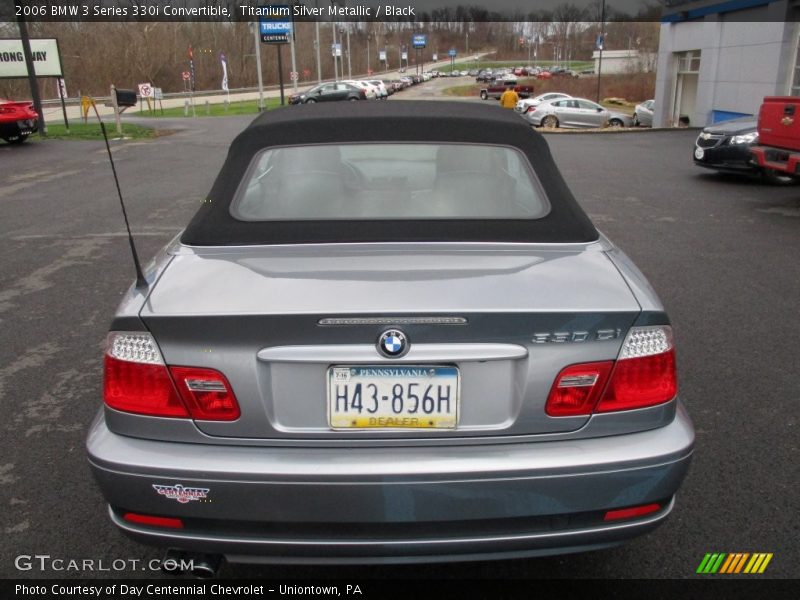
pixel 776 159
pixel 23 127
pixel 393 504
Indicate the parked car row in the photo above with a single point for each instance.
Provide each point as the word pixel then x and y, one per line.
pixel 355 89
pixel 506 73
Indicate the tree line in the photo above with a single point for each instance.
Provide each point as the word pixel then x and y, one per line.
pixel 96 54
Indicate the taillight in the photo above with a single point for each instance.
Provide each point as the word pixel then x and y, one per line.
pixel 531 109
pixel 644 374
pixel 577 388
pixel 363 94
pixel 137 381
pixel 206 393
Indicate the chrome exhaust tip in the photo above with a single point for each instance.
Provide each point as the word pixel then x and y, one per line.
pixel 205 566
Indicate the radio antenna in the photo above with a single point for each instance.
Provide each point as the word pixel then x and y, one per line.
pixel 141 282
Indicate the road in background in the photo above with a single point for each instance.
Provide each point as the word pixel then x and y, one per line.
pixel 722 253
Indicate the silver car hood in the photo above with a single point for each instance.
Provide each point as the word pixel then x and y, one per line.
pixel 389 278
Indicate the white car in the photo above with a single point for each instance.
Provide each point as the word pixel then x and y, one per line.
pixel 383 93
pixel 525 105
pixel 371 90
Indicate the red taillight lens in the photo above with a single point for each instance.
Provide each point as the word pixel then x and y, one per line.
pixel 153 521
pixel 206 393
pixel 141 388
pixel 639 382
pixel 137 381
pixel 363 94
pixel 631 513
pixel 577 388
pixel 531 109
pixel 643 375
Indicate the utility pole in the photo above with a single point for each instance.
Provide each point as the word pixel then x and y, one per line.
pixel 295 74
pixel 349 69
pixel 257 39
pixel 333 51
pixel 26 50
pixel 316 46
pixel 601 42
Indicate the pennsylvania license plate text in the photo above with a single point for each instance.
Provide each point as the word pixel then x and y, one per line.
pixel 407 397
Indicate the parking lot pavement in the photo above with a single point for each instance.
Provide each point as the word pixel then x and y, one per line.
pixel 722 252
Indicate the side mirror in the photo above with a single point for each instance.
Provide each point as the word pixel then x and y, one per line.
pixel 600 109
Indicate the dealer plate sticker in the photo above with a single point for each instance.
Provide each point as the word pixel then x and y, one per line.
pixel 393 397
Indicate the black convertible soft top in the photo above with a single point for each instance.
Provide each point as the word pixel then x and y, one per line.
pixel 392 121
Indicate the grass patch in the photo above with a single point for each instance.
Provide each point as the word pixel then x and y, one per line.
pixel 462 90
pixel 247 107
pixel 92 131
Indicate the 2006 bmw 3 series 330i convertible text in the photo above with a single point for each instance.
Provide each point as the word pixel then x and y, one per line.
pixel 390 334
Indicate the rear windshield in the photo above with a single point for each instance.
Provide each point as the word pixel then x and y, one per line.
pixel 378 181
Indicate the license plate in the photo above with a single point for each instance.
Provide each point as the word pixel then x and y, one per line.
pixel 393 397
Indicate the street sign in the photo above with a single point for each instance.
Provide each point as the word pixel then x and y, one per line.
pixel 158 94
pixel 185 75
pixel 382 55
pixel 336 50
pixel 435 57
pixel 61 88
pixel 294 75
pixel 452 52
pixel 404 56
pixel 420 40
pixel 276 26
pixel 146 90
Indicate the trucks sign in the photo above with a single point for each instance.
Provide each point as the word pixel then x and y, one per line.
pixel 276 25
pixel 420 40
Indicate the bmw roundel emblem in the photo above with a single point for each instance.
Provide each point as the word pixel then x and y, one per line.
pixel 393 343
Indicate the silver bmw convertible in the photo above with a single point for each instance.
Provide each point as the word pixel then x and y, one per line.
pixel 389 334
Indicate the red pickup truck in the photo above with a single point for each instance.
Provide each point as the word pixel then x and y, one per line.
pixel 496 89
pixel 778 146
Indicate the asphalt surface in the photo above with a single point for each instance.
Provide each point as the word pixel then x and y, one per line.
pixel 722 252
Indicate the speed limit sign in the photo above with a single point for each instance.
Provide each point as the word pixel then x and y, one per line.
pixel 293 75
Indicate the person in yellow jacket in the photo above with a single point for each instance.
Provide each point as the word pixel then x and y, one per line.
pixel 509 98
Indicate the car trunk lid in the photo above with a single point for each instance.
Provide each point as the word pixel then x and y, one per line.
pixel 279 321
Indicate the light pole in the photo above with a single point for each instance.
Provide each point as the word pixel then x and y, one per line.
pixel 368 69
pixel 349 68
pixel 295 74
pixel 257 40
pixel 333 50
pixel 601 42
pixel 316 45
